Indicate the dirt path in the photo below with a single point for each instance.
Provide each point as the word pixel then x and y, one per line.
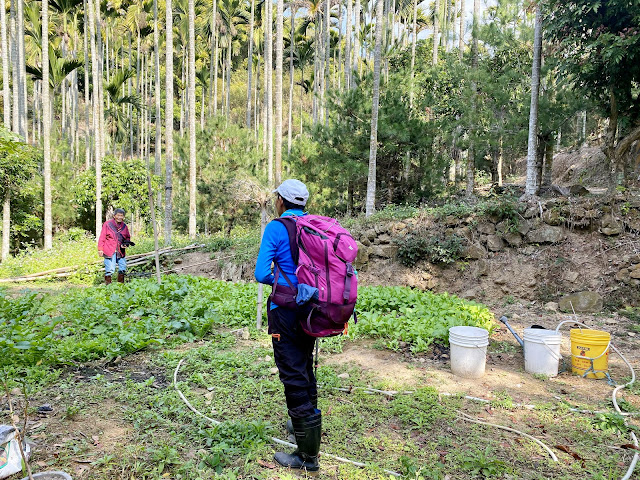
pixel 505 376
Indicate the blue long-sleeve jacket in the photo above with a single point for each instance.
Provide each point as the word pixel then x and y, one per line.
pixel 275 247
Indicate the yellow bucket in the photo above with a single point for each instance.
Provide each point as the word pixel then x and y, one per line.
pixel 590 352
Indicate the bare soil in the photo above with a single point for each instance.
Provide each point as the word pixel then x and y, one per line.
pixel 94 435
pixel 504 375
pixel 574 166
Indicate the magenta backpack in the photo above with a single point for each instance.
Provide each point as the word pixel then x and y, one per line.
pixel 324 253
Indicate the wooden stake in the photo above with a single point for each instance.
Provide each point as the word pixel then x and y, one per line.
pixel 263 224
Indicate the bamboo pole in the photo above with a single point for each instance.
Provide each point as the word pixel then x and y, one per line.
pixel 263 224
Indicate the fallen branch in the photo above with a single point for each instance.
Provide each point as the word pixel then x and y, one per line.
pixel 39 277
pixel 62 272
pixel 179 267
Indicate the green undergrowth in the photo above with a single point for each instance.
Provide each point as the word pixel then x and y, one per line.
pixel 85 324
pixel 74 248
pixel 387 214
pixel 418 434
pixel 79 248
pixel 500 207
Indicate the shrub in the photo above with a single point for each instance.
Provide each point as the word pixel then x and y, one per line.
pixel 411 249
pixel 503 208
pixel 444 249
pixel 437 249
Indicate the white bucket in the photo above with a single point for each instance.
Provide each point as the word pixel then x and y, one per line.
pixel 468 351
pixel 542 351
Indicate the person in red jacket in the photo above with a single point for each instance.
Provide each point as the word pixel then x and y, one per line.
pixel 114 239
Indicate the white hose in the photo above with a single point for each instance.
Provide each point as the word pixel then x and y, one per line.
pixel 634 461
pixel 469 418
pixel 614 395
pixel 274 439
pixel 465 417
pixel 620 387
pixel 636 455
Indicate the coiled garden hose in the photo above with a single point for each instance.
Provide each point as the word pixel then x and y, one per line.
pixel 614 395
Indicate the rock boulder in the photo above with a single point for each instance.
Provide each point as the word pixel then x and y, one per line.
pixel 610 225
pixel 581 302
pixel 495 243
pixel 486 228
pixel 546 234
pixel 513 239
pixel 384 251
pixel 475 252
pixel 363 254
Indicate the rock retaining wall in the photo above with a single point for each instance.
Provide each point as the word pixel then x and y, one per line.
pixel 557 246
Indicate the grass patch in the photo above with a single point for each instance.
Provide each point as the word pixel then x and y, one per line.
pixel 125 416
pixel 417 435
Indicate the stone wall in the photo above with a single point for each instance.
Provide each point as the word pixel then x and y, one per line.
pixel 558 245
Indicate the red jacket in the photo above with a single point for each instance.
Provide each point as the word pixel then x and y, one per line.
pixel 111 238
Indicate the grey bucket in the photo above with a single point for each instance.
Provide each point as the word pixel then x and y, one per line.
pixel 50 476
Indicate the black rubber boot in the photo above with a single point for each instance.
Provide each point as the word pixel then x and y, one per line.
pixel 307 431
pixel 107 279
pixel 292 438
pixel 120 277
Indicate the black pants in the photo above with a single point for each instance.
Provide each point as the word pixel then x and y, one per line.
pixel 293 353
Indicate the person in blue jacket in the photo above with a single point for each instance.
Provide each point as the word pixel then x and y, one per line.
pixel 292 347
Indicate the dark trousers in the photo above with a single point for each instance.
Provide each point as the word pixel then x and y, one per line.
pixel 293 354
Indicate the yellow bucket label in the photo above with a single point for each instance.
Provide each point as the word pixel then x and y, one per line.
pixel 588 358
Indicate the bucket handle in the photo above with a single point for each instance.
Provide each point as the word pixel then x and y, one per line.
pixel 553 354
pixel 471 346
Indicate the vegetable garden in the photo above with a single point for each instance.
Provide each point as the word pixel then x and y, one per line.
pixel 104 359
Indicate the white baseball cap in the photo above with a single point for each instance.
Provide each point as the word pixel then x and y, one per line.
pixel 293 191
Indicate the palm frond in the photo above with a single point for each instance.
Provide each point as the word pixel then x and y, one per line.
pixel 65 6
pixel 134 100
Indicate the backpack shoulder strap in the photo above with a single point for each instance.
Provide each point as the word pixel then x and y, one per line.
pixel 290 225
pixel 112 226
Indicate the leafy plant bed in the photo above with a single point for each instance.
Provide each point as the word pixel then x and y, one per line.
pixel 401 314
pixel 81 325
